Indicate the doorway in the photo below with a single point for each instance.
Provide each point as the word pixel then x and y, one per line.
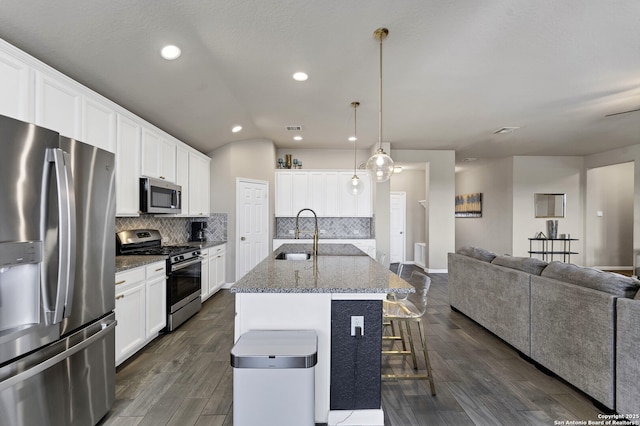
pixel 252 224
pixel 397 227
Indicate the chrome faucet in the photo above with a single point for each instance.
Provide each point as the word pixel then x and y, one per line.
pixel 315 232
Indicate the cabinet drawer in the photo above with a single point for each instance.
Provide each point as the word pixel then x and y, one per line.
pixel 130 276
pixel 217 251
pixel 155 270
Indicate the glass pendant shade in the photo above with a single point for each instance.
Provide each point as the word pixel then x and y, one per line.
pixel 381 166
pixel 355 186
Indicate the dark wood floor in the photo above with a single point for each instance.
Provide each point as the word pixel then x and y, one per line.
pixel 184 378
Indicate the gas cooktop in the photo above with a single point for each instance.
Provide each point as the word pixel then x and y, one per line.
pixel 147 242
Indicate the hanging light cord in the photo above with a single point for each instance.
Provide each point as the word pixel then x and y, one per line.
pixel 380 34
pixel 355 106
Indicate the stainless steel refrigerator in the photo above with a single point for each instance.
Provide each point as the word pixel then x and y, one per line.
pixel 57 266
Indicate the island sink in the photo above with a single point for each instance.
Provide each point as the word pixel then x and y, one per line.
pixel 293 256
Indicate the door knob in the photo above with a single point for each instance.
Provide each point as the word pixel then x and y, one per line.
pixel 242 238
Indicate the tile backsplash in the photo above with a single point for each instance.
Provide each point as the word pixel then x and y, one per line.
pixel 329 227
pixel 175 230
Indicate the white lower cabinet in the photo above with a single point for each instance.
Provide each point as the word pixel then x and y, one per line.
pixel 130 313
pixel 213 270
pixel 156 309
pixel 140 308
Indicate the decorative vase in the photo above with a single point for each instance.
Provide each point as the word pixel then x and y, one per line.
pixel 552 229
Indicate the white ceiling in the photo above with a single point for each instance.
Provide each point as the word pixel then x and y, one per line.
pixel 454 71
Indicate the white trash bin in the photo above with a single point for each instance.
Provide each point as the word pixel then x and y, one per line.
pixel 274 378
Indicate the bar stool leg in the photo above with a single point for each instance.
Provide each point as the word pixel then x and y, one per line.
pixel 426 358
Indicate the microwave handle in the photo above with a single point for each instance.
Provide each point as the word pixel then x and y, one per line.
pixel 178 202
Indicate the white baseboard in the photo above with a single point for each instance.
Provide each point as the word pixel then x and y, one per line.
pixel 356 417
pixel 436 271
pixel 614 268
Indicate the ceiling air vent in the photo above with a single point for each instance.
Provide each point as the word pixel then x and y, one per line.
pixel 503 130
pixel 294 128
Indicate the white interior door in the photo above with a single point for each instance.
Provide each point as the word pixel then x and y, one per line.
pixel 397 227
pixel 252 224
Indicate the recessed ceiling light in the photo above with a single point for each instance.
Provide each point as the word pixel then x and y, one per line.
pixel 170 52
pixel 503 130
pixel 297 138
pixel 300 76
pixel 236 129
pixel 352 139
pixel 397 169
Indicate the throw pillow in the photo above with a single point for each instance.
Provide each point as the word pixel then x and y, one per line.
pixel 609 282
pixel 527 264
pixel 477 253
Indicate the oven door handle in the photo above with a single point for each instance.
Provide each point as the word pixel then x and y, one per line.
pixel 179 266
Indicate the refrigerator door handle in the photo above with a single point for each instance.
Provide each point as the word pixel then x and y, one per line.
pixel 66 232
pixel 107 326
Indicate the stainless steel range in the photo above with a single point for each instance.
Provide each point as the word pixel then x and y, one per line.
pixel 184 270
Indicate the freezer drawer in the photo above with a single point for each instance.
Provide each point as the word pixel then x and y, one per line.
pixel 70 382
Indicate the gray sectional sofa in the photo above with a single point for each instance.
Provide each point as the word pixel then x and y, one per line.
pixel 580 323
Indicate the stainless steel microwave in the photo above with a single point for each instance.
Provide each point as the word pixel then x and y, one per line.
pixel 159 196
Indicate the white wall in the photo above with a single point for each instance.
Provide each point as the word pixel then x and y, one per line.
pixel 439 216
pixel 610 191
pixel 494 230
pixel 548 175
pixel 618 156
pixel 252 159
pixel 412 182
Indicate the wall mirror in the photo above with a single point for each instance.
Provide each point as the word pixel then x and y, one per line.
pixel 549 205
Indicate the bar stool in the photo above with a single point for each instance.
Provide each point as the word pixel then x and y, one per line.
pixel 406 311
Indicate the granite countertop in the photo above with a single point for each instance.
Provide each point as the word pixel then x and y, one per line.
pixel 205 244
pixel 338 268
pixel 126 262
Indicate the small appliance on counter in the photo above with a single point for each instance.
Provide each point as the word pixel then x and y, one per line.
pixel 198 231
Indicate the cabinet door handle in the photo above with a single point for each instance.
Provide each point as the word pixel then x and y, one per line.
pixel 121 282
pixel 159 269
pixel 120 296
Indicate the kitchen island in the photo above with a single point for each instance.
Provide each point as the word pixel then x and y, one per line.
pixel 322 294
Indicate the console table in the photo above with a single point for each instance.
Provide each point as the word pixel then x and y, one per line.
pixel 548 247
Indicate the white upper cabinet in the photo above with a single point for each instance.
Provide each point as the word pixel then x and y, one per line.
pixel 14 87
pixel 182 176
pixel 300 191
pixel 323 191
pixel 36 93
pixel 99 124
pixel 58 106
pixel 284 195
pixel 158 156
pixel 127 167
pixel 198 185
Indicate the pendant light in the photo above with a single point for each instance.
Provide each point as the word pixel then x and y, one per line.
pixel 380 164
pixel 355 186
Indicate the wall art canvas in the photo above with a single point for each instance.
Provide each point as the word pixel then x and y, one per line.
pixel 469 205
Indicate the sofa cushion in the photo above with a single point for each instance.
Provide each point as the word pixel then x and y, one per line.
pixel 526 264
pixel 477 253
pixel 609 282
pixel 637 295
